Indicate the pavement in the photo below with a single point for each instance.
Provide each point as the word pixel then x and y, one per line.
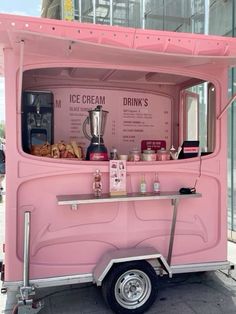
pixel 196 293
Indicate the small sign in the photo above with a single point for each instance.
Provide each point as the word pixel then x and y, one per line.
pixel 118 177
pixel 153 144
pixel 190 149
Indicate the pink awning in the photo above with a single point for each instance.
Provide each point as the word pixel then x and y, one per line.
pixel 114 45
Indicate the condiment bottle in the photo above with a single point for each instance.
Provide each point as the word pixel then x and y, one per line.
pixel 143 185
pixel 156 184
pixel 114 154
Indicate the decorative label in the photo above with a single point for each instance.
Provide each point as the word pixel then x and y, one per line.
pixel 98 156
pixel 191 150
pixel 156 187
pixel 117 177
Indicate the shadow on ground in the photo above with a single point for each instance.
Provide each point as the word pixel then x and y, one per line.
pixel 199 293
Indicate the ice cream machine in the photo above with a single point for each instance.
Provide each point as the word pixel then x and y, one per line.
pixel 37 118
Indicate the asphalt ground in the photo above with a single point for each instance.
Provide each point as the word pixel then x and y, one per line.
pixel 199 293
pixel 204 293
pixel 196 293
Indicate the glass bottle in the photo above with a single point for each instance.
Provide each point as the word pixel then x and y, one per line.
pixel 156 184
pixel 143 185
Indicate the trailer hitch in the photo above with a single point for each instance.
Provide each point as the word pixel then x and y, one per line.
pixel 26 293
pixel 28 307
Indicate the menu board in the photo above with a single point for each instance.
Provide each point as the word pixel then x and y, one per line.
pixel 133 116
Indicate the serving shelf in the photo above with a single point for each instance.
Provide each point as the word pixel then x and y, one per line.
pixel 78 199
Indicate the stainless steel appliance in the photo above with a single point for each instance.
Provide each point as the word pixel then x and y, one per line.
pixel 97 121
pixel 37 119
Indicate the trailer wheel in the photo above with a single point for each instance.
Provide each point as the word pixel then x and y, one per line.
pixel 130 287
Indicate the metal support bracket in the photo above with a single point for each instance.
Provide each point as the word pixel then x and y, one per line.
pixel 25 301
pixel 174 203
pixel 74 207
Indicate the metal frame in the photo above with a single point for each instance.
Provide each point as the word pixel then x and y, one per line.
pixel 88 278
pixel 25 300
pixel 79 199
pixel 127 255
pixel 175 203
pixel 213 266
pixel 26 252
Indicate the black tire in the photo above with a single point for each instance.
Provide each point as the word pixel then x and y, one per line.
pixel 130 287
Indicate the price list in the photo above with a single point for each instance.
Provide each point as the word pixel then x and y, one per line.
pixel 132 117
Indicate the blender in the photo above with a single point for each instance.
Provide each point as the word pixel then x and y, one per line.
pixel 97 121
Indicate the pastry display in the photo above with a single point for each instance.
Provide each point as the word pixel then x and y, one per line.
pixel 58 150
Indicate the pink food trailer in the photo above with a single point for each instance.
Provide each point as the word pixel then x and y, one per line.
pixel 116 142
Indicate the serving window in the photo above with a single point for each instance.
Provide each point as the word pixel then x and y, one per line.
pixel 142 111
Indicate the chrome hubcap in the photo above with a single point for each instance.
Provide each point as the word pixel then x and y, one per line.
pixel 132 289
